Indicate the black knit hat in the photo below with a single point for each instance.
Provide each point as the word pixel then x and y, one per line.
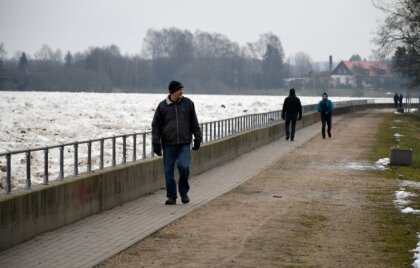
pixel 174 86
pixel 324 94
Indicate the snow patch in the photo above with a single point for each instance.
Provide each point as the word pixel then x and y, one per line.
pixel 382 163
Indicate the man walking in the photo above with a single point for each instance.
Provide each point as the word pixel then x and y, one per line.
pixel 174 123
pixel 396 98
pixel 325 107
pixel 291 112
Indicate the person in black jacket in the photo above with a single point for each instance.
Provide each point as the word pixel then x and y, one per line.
pixel 174 123
pixel 396 98
pixel 291 112
pixel 400 101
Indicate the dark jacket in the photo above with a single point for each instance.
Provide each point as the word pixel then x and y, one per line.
pixel 396 97
pixel 175 123
pixel 325 107
pixel 291 105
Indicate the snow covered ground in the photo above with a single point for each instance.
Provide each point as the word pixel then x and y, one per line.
pixel 38 119
pixel 407 190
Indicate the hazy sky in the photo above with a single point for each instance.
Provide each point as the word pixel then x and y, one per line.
pixel 317 27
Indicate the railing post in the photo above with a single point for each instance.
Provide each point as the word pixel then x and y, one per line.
pixel 76 160
pixel 202 132
pixel 211 131
pixel 237 125
pixel 245 122
pixel 134 147
pixel 250 120
pixel 46 165
pixel 144 145
pixel 222 128
pixel 61 175
pixel 101 157
pixel 89 160
pixel 124 158
pixel 9 173
pixel 151 146
pixel 28 169
pixel 207 132
pixel 114 157
pixel 218 129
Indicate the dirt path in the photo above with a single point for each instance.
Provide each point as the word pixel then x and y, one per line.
pixel 309 209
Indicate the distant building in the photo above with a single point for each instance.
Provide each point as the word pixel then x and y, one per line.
pixel 360 74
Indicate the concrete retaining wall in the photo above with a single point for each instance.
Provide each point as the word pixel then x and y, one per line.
pixel 28 213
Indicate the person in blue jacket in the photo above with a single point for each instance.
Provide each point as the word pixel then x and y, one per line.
pixel 325 107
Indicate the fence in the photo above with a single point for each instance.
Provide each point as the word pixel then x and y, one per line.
pixel 100 153
pixel 97 154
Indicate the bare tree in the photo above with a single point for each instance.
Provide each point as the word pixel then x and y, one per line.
pixel 302 64
pixel 45 53
pixel 168 43
pixel 400 33
pixel 401 27
pixel 259 48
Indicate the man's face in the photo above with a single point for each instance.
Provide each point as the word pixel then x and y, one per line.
pixel 324 97
pixel 177 95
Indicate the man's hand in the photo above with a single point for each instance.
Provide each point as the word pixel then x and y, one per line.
pixel 299 118
pixel 196 145
pixel 157 149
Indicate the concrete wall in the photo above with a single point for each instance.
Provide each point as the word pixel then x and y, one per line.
pixel 28 213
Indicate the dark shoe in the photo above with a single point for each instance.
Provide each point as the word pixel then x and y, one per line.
pixel 185 199
pixel 323 137
pixel 287 138
pixel 329 134
pixel 170 201
pixel 292 139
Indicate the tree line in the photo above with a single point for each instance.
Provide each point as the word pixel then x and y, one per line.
pixel 205 61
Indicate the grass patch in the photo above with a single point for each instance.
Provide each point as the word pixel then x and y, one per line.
pixel 397 231
pixel 407 125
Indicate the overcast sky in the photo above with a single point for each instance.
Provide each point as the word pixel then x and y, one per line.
pixel 317 27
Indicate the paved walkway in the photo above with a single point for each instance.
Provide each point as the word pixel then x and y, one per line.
pixel 93 240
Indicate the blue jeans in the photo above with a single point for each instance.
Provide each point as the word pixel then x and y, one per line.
pixel 180 155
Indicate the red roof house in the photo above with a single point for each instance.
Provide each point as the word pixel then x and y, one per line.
pixel 359 73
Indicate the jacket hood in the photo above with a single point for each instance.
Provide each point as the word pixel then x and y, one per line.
pixel 292 91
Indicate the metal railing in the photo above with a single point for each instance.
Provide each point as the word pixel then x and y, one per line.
pixel 98 154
